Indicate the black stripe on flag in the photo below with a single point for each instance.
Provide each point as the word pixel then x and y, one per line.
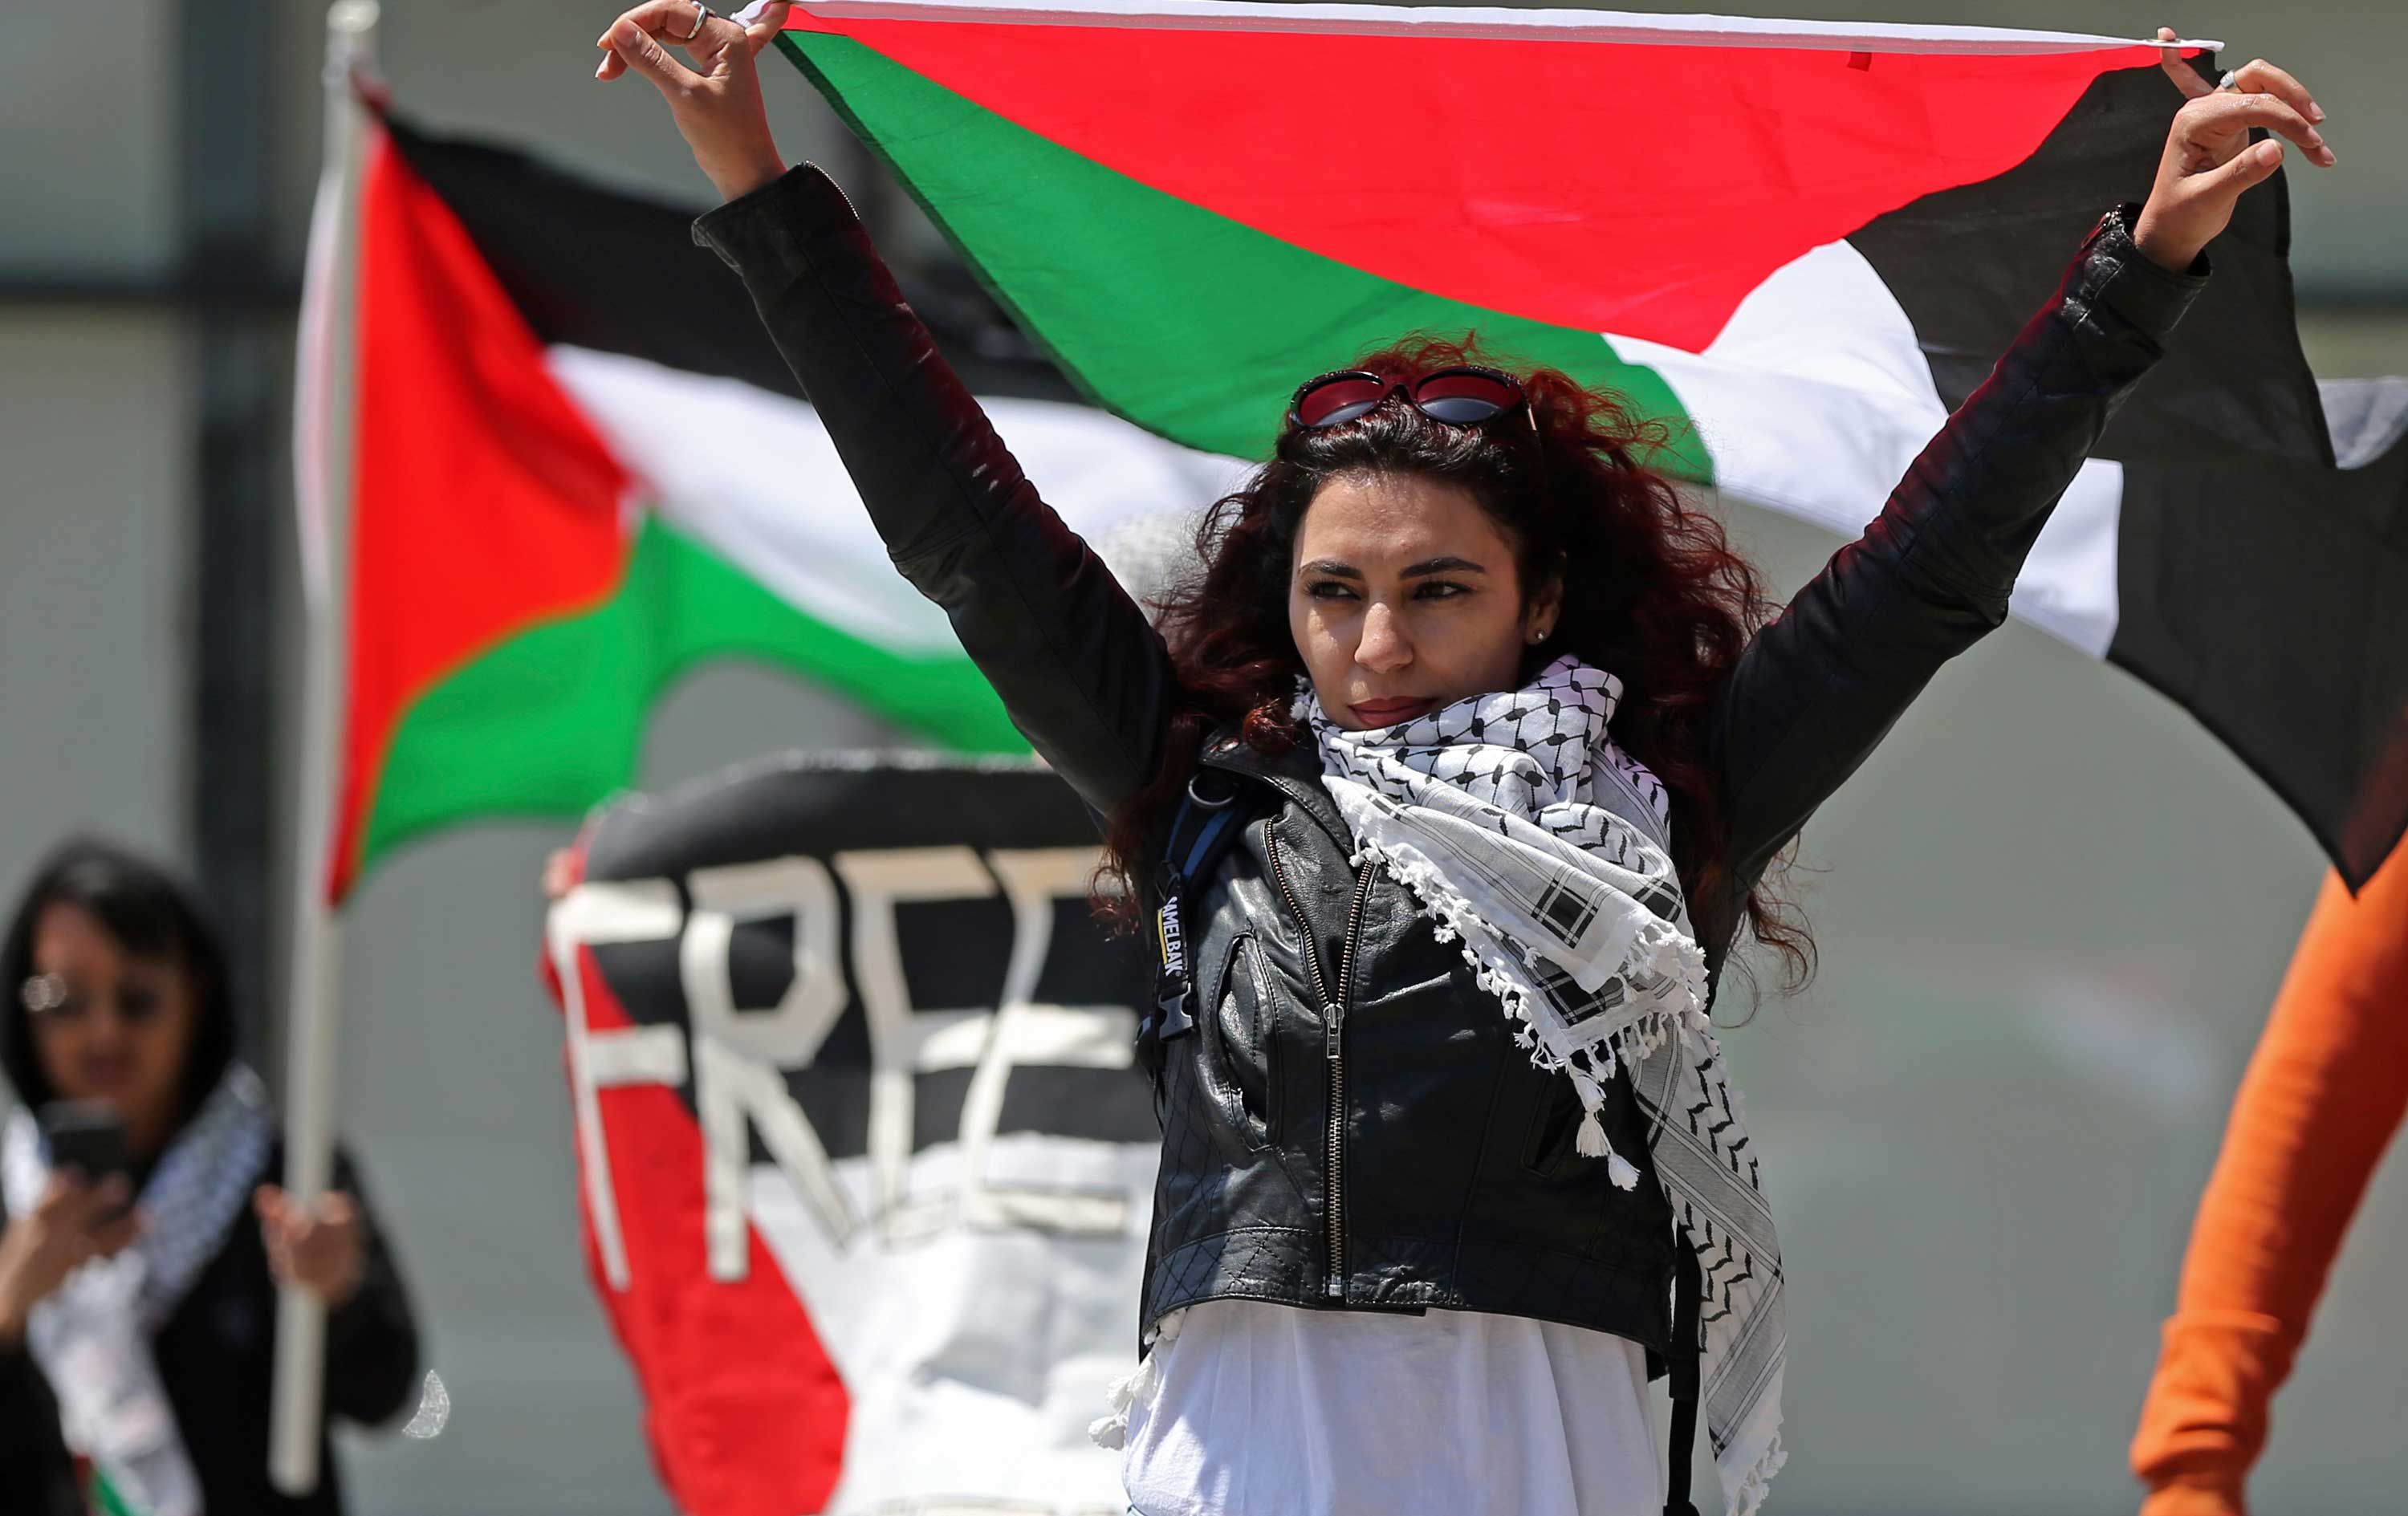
pixel 2259 584
pixel 617 273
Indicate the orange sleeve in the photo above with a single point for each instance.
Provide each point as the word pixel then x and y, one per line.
pixel 2323 1093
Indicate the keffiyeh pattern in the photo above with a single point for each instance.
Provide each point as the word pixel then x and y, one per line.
pixel 1495 812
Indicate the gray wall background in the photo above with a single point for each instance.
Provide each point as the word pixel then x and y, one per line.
pixel 2052 911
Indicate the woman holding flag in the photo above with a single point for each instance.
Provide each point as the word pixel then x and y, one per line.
pixel 1445 789
pixel 142 1240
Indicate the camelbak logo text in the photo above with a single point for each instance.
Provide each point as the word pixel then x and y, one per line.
pixel 1174 946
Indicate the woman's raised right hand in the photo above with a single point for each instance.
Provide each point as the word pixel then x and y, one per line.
pixel 717 102
pixel 73 1223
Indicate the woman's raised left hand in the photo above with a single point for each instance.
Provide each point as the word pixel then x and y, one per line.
pixel 319 1248
pixel 2210 162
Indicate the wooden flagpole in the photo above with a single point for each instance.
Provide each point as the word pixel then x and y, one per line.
pixel 323 486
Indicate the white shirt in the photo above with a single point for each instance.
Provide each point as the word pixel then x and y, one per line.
pixel 1261 1409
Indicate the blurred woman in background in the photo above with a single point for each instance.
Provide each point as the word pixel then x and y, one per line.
pixel 137 1307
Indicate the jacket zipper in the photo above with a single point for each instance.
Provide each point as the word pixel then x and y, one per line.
pixel 1333 1023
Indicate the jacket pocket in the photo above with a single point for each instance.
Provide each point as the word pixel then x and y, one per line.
pixel 1555 1113
pixel 1239 1046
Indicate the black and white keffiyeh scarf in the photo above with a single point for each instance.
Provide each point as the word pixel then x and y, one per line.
pixel 92 1336
pixel 1544 849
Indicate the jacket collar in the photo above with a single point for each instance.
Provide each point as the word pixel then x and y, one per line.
pixel 1296 774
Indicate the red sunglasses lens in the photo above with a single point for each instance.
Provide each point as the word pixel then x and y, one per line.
pixel 1339 398
pixel 1460 397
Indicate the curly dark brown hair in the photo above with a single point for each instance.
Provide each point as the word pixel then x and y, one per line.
pixel 1653 592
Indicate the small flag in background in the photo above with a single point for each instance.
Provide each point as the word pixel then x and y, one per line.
pixel 1805 242
pixel 583 469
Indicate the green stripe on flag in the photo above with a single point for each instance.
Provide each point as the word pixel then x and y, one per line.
pixel 102 1496
pixel 550 721
pixel 1180 320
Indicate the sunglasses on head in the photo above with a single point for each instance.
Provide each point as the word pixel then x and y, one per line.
pixel 1462 396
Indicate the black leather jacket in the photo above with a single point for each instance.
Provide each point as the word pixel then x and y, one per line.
pixel 1351 1126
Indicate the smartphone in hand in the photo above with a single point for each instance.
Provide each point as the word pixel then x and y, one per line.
pixel 85 1135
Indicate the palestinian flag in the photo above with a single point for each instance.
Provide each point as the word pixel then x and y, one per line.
pixel 582 468
pixel 867 1167
pixel 1804 242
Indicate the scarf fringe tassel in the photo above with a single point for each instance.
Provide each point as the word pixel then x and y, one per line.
pixel 1111 1431
pixel 1758 1483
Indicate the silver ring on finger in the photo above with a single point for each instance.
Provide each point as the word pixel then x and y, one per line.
pixel 702 14
pixel 2230 83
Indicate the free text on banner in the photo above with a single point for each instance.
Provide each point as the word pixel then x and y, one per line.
pixel 866 1166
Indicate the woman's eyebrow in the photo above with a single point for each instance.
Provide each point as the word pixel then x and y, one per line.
pixel 1335 569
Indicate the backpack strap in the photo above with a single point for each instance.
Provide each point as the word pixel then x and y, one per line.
pixel 1207 822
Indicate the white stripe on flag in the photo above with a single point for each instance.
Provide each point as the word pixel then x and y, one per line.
pixel 1812 402
pixel 754 476
pixel 1001 1334
pixel 1815 399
